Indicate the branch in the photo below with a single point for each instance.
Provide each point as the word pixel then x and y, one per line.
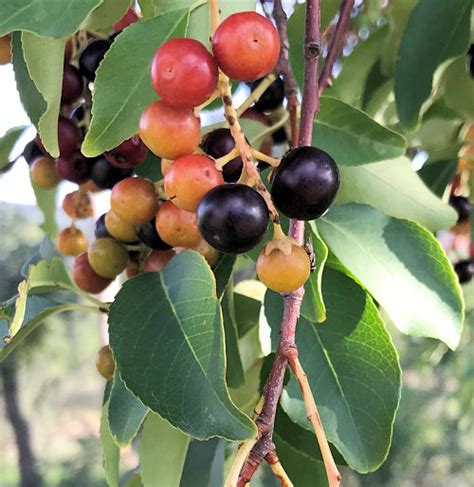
pixel 336 44
pixel 278 470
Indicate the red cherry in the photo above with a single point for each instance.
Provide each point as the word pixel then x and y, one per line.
pixel 246 46
pixel 184 73
pixel 128 154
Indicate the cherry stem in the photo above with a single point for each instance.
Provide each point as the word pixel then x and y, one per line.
pixel 336 43
pixel 257 93
pixel 273 161
pixel 278 470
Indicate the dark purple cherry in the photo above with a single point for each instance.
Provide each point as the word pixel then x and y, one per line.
pixel 149 236
pixel 465 270
pixel 130 153
pixel 31 151
pixel 91 57
pixel 73 85
pixel 463 207
pixel 272 97
pixel 106 176
pixel 100 228
pixel 76 168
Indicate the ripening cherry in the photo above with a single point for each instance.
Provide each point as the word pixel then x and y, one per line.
pixel 85 277
pixel 184 73
pixel 5 50
pixel 108 257
pixel 73 85
pixel 100 230
pixel 104 363
pixel 43 173
pixel 106 176
pixel 119 228
pixel 169 132
pixel 305 183
pixel 284 273
pixel 177 227
pixel 148 235
pixel 208 252
pixel 189 178
pixel 75 168
pixel 246 46
pixel 90 186
pixel 91 57
pixel 130 153
pixel 72 241
pixel 77 205
pixel 134 200
pixel 165 165
pixel 158 260
pixel 232 218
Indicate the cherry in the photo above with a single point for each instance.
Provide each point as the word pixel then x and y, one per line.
pixel 218 143
pixel 78 113
pixel 463 207
pixel 69 138
pixel 165 165
pixel 77 205
pixel 305 183
pixel 158 260
pixel 72 241
pixel 169 132
pixel 5 50
pixel 100 230
pixel 184 73
pixel 208 252
pixel 129 18
pixel 465 270
pixel 43 173
pixel 272 97
pixel 90 186
pixel 108 257
pixel 106 176
pixel 189 178
pixel 73 85
pixel 246 46
pixel 105 363
pixel 280 136
pixel 91 57
pixel 177 227
pixel 284 273
pixel 149 236
pixel 85 277
pixel 31 152
pixel 128 154
pixel 134 200
pixel 76 168
pixel 120 229
pixel 232 218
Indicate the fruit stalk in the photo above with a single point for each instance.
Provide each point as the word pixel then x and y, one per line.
pixel 336 44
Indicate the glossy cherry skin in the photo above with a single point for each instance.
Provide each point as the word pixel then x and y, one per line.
pixel 119 228
pixel 130 153
pixel 169 132
pixel 77 205
pixel 218 143
pixel 43 173
pixel 463 207
pixel 189 178
pixel 76 168
pixel 158 260
pixel 134 200
pixel 85 277
pixel 73 85
pixel 272 97
pixel 108 257
pixel 104 363
pixel 100 230
pixel 465 270
pixel 72 241
pixel 91 57
pixel 184 73
pixel 284 273
pixel 232 218
pixel 106 176
pixel 305 183
pixel 246 46
pixel 177 227
pixel 148 235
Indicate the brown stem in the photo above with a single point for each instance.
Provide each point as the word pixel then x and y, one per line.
pixel 278 470
pixel 336 44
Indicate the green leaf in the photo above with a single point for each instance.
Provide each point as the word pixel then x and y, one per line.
pixel 106 14
pixel 438 175
pixel 147 7
pixel 162 453
pixel 247 308
pixel 402 265
pixel 122 88
pixel 313 307
pixel 110 451
pixel 150 168
pixel 234 369
pixel 223 273
pixel 394 188
pixel 126 413
pixel 351 137
pixel 350 84
pixel 167 337
pixel 31 99
pixel 437 30
pixel 51 18
pixel 350 362
pixel 38 52
pixel 46 201
pixel 204 464
pixel 7 143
